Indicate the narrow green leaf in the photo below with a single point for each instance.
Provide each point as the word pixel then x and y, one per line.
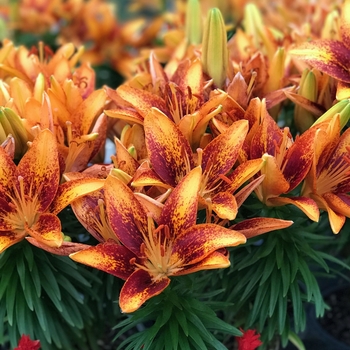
pixel 20 310
pixel 196 337
pixel 48 274
pixel 181 318
pixel 6 276
pixel 282 312
pixel 279 254
pixel 270 263
pixel 11 297
pixel 254 279
pixel 308 277
pixel 293 258
pixel 295 340
pixel 259 300
pixel 36 280
pixel 166 313
pixel 286 277
pixel 51 293
pixel 275 290
pixel 21 270
pixel 28 254
pixel 174 333
pixel 70 289
pixel 40 314
pixel 296 303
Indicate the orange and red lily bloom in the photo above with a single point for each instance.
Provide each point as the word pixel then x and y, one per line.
pixel 286 163
pixel 331 56
pixel 171 158
pixel 328 182
pixel 150 253
pixel 31 196
pixel 181 98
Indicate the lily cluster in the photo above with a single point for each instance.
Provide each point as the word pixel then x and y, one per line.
pixel 198 129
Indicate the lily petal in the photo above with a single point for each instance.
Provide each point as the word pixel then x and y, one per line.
pixel 225 205
pixel 65 249
pixel 71 190
pixel 142 100
pixel 257 226
pixel 336 220
pixel 125 114
pixel 109 257
pixel 221 154
pixel 338 203
pixel 307 205
pixel 199 241
pixel 216 260
pixel 138 288
pixel 274 182
pixel 180 210
pixel 169 152
pixel 40 169
pixel 329 56
pixel 9 238
pixel 126 214
pixel 7 170
pixel 299 157
pixel 47 230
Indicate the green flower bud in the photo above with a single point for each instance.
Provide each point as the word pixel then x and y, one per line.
pixel 308 88
pixel 342 107
pixel 194 24
pixel 11 124
pixel 214 47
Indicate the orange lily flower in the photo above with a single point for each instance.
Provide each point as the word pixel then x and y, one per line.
pixel 331 56
pixel 149 255
pixel 286 162
pixel 180 98
pixel 328 182
pixel 31 197
pixel 171 159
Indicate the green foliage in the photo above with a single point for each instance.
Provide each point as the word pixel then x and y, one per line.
pixel 175 320
pixel 42 295
pixel 275 275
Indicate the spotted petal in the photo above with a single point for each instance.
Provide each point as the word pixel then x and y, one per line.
pixel 7 171
pixel 221 154
pixel 336 220
pixel 138 288
pixel 9 238
pixel 47 230
pixel 126 215
pixel 40 169
pixel 199 241
pixel 141 100
pixel 109 257
pixel 180 210
pixel 216 260
pixel 307 205
pixel 257 226
pixel 71 190
pixel 225 205
pixel 65 249
pixel 299 157
pixel 328 56
pixel 169 152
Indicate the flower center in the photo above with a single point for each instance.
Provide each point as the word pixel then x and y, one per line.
pixel 157 248
pixel 335 174
pixel 25 205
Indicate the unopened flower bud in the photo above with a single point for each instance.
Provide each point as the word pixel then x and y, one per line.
pixel 342 107
pixel 214 47
pixel 121 175
pixel 11 124
pixel 194 24
pixel 308 88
